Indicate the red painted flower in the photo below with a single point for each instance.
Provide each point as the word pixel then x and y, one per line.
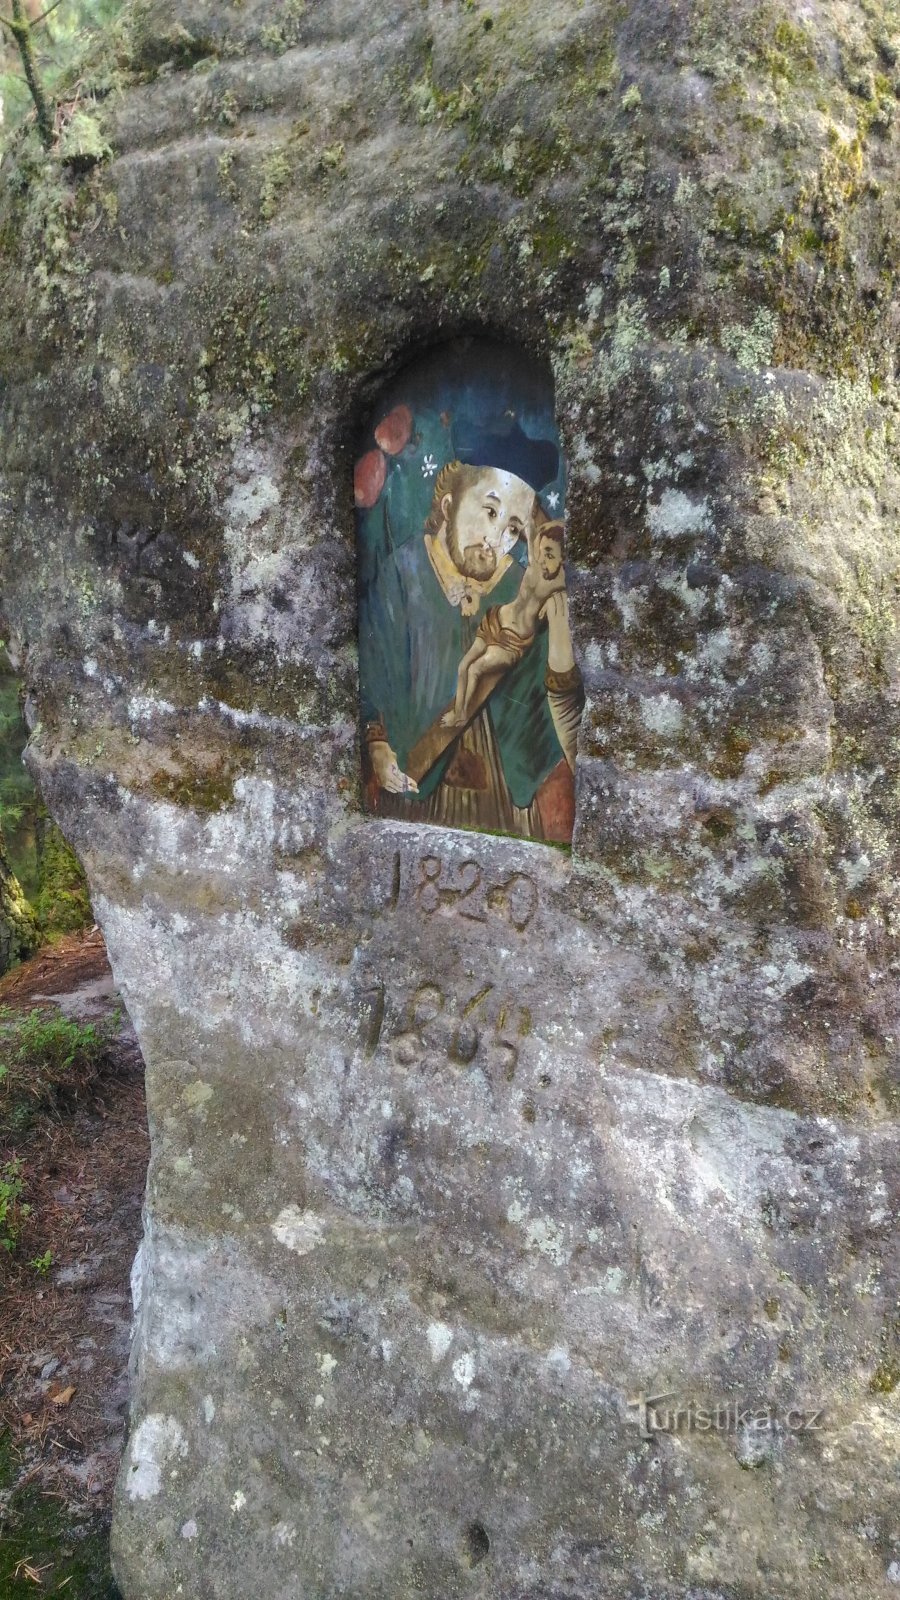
pixel 394 431
pixel 368 478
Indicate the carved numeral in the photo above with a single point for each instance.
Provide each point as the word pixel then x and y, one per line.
pixel 464 1034
pixel 515 899
pixel 470 877
pixel 373 1001
pixel 426 1004
pixel 521 900
pixel 427 893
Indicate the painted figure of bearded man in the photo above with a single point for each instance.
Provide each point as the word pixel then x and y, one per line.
pixel 457 587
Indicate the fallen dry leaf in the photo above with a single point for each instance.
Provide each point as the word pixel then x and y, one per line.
pixel 64 1396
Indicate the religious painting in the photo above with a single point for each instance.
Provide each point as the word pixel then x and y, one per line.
pixel 471 697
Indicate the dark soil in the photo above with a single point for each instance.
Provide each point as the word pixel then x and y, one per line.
pixel 57 969
pixel 64 1333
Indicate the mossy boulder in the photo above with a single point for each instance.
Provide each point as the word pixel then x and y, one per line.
pixel 18 930
pixel 398 1295
pixel 62 903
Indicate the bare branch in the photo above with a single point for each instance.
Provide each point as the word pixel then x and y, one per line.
pixel 44 14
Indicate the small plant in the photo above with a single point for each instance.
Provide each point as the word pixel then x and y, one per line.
pixel 52 1041
pixel 13 1210
pixel 42 1264
pixel 45 1060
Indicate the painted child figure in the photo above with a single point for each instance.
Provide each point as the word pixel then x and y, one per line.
pixel 507 631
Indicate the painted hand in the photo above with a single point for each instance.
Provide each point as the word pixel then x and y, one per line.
pixel 387 770
pixel 557 607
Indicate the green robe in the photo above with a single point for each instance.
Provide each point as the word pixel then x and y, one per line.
pixel 411 641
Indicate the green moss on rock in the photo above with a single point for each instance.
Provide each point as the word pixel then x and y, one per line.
pixel 62 904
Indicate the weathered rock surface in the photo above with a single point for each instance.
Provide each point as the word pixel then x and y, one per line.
pixel 434 1195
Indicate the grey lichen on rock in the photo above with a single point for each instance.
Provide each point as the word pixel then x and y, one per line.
pixel 391 1298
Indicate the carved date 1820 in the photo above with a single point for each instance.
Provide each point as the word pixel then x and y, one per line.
pixel 465 889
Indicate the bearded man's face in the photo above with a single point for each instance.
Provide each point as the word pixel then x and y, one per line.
pixel 549 558
pixel 491 515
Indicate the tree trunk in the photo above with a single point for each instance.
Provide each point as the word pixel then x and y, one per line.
pixel 20 27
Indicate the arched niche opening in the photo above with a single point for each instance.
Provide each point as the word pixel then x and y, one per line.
pixel 470 695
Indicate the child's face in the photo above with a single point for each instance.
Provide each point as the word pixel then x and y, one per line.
pixel 549 557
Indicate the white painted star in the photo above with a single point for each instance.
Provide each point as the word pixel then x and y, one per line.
pixel 553 500
pixel 429 467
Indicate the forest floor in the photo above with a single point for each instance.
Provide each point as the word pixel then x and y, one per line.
pixel 65 1302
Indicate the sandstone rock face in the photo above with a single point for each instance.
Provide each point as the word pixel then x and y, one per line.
pixel 435 1195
